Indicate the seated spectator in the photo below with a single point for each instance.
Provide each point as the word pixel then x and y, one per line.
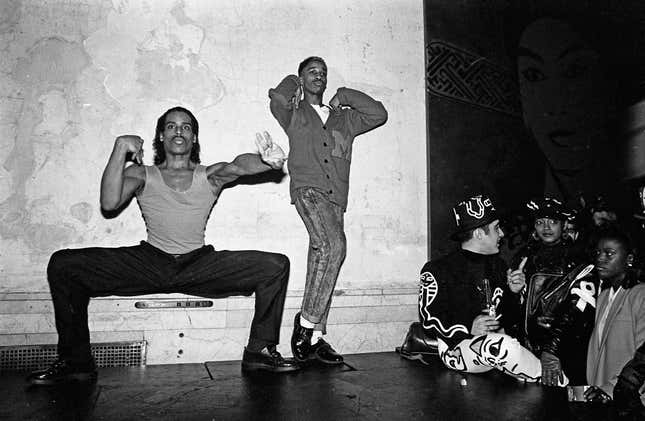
pixel 466 298
pixel 631 379
pixel 620 315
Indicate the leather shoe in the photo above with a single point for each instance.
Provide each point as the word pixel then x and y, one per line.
pixel 418 345
pixel 324 353
pixel 63 371
pixel 268 359
pixel 300 340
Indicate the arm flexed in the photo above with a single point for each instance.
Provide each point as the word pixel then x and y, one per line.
pixel 119 183
pixel 367 113
pixel 285 98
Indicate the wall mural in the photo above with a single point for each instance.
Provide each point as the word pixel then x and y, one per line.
pixel 457 74
pixel 564 105
pixel 527 99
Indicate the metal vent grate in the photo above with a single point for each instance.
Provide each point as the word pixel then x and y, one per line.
pixel 37 357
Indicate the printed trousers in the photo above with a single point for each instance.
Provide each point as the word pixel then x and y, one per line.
pixel 494 350
pixel 327 249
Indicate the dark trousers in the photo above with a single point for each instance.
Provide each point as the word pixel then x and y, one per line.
pixel 75 275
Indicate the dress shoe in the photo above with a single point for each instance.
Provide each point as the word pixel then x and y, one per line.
pixel 63 371
pixel 268 359
pixel 324 353
pixel 418 345
pixel 300 340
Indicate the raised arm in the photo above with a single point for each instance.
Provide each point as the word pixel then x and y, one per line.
pixel 284 98
pixel 270 156
pixel 119 183
pixel 366 112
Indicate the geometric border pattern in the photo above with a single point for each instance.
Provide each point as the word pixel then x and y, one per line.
pixel 459 75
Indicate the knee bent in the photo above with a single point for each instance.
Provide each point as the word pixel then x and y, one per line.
pixel 280 262
pixel 58 262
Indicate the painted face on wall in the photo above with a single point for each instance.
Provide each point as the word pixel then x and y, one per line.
pixel 561 87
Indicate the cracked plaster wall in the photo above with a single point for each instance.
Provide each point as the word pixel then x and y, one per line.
pixel 75 74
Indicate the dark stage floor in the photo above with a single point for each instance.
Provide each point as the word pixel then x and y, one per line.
pixel 380 386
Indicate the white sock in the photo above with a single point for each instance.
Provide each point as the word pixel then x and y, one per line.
pixel 306 323
pixel 315 336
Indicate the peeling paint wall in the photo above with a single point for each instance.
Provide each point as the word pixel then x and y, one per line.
pixel 75 74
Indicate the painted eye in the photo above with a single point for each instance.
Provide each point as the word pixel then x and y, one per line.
pixel 532 74
pixel 575 69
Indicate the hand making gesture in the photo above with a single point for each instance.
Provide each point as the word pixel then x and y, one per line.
pixel 270 152
pixel 516 279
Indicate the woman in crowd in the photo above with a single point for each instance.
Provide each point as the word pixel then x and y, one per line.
pixel 620 315
pixel 557 322
pixel 548 255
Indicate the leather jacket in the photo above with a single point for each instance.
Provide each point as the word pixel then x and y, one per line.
pixel 572 326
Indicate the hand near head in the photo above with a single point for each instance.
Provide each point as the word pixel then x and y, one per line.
pixel 132 145
pixel 516 279
pixel 270 152
pixel 484 324
pixel 334 103
pixel 297 96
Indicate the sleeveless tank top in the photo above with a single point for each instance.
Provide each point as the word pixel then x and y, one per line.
pixel 176 221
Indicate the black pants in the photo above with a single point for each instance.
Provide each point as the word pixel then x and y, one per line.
pixel 75 275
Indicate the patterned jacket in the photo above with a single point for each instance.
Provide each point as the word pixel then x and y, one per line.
pixel 451 296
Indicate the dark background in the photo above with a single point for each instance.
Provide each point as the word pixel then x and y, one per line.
pixel 481 146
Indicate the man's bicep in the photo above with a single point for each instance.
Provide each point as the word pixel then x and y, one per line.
pixel 222 173
pixel 133 181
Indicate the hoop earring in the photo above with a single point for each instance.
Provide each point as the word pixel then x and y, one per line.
pixel 535 236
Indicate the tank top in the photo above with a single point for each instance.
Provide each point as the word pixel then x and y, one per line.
pixel 176 220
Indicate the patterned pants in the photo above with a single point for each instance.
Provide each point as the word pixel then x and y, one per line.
pixel 494 350
pixel 327 247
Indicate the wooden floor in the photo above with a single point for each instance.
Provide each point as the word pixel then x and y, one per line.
pixel 380 386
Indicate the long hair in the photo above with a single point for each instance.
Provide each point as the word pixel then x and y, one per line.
pixel 157 144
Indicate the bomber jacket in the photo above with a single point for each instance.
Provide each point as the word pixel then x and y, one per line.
pixel 320 153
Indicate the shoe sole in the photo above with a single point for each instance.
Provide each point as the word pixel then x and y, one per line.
pixel 250 367
pixel 78 377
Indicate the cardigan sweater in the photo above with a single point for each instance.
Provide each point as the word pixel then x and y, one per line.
pixel 320 152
